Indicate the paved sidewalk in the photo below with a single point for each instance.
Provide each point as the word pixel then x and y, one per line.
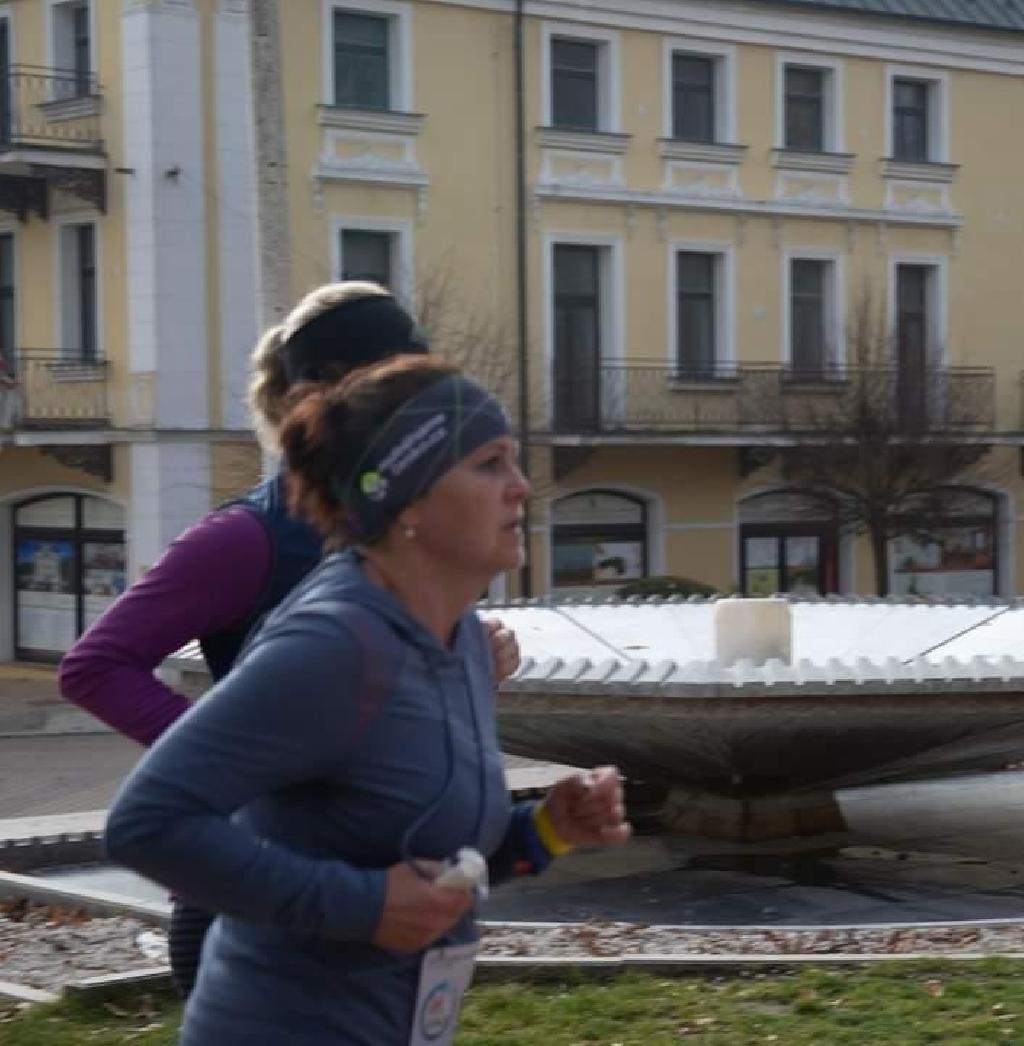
pixel 30 704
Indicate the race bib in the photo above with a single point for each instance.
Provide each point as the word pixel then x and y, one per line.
pixel 444 978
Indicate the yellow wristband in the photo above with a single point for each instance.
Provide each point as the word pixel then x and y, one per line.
pixel 553 842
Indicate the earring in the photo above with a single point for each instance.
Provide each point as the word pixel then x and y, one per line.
pixel 409 532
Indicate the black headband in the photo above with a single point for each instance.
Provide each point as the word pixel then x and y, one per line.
pixel 352 334
pixel 428 435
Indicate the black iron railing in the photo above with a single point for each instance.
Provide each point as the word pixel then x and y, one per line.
pixel 655 398
pixel 50 108
pixel 45 388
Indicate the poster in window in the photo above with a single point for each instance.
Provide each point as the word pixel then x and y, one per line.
pixel 46 598
pixel 762 566
pixel 103 576
pixel 587 562
pixel 953 561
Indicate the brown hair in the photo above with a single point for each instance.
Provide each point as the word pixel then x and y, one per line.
pixel 326 432
pixel 268 388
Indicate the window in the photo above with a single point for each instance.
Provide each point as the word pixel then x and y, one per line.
pixel 72 49
pixel 693 97
pixel 805 100
pixel 367 255
pixel 910 121
pixel 695 311
pixel 959 556
pixel 808 317
pixel 79 312
pixel 361 61
pixel 598 538
pixel 574 84
pixel 69 558
pixel 789 542
pixel 7 300
pixel 577 337
pixel 917 118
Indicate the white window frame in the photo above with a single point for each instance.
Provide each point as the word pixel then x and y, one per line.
pixel 725 85
pixel 403 282
pixel 835 97
pixel 51 42
pixel 835 302
pixel 612 305
pixel 938 109
pixel 400 69
pixel 61 223
pixel 937 292
pixel 725 300
pixel 609 71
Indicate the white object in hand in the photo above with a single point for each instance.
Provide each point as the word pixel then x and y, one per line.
pixel 468 870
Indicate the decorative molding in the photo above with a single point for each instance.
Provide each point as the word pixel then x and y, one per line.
pixel 608 142
pixel 824 163
pixel 370 157
pixel 383 121
pixel 371 174
pixel 809 188
pixel 768 208
pixel 702 180
pixel 940 173
pixel 703 152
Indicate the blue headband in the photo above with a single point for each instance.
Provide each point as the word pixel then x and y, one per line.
pixel 419 443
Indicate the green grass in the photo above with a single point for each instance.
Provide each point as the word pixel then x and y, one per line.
pixel 947 1003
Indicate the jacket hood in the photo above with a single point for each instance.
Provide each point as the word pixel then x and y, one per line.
pixel 341 577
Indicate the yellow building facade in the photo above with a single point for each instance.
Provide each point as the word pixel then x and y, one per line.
pixel 658 217
pixel 710 192
pixel 128 304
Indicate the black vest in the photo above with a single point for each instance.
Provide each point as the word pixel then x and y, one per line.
pixel 295 548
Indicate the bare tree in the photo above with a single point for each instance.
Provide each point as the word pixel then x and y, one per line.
pixel 883 442
pixel 471 334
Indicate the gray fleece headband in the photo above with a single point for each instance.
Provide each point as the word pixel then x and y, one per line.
pixel 419 443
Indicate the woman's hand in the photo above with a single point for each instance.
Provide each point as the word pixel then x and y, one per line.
pixel 416 912
pixel 587 809
pixel 504 649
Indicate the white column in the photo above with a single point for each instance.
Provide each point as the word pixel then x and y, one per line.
pixel 236 208
pixel 165 227
pixel 170 490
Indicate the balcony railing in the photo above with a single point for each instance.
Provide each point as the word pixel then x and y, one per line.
pixel 53 388
pixel 49 109
pixel 652 398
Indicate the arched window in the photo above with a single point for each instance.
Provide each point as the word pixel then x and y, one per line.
pixel 788 543
pixel 598 538
pixel 69 561
pixel 958 557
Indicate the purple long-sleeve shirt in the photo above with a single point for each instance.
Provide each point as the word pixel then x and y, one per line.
pixel 208 579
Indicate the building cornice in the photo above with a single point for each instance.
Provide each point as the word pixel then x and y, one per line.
pixel 813 30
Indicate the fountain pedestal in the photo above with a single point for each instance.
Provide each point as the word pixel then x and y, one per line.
pixel 749 820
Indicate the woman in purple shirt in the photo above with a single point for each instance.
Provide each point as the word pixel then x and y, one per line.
pixel 222 576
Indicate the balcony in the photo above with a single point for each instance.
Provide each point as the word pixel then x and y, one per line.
pixel 656 400
pixel 50 138
pixel 53 389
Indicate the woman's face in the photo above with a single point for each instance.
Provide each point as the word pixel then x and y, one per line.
pixel 472 517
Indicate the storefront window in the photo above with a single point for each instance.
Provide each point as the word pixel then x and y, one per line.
pixel 598 539
pixel 787 544
pixel 69 565
pixel 958 558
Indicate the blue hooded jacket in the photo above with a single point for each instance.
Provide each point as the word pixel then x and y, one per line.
pixel 344 731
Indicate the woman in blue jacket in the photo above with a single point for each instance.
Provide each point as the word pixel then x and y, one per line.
pixel 313 794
